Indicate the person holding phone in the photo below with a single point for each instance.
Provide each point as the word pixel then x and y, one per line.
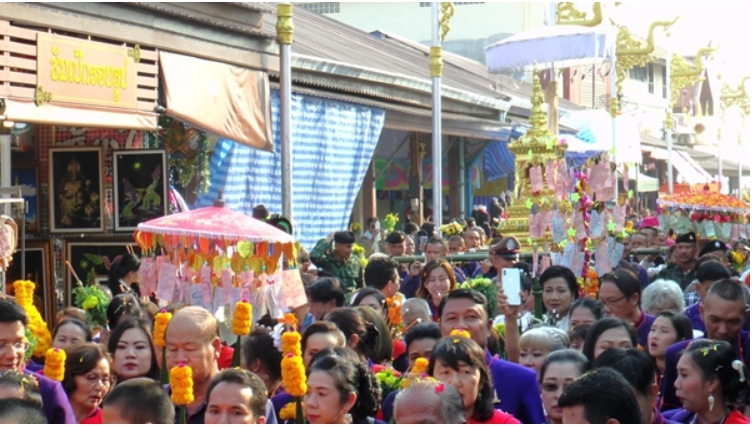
pixel 373 238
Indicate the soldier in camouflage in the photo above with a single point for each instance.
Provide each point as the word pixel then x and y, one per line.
pixel 682 270
pixel 339 261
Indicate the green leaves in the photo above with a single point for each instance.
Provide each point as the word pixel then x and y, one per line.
pixel 575 197
pixel 571 232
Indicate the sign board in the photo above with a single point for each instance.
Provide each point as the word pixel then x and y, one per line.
pixel 76 71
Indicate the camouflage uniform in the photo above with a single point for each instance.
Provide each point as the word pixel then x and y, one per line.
pixel 349 272
pixel 674 272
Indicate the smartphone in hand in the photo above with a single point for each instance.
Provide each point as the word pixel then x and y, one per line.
pixel 510 281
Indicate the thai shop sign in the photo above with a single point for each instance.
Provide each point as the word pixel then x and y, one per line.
pixel 71 70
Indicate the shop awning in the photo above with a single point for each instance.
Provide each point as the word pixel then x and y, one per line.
pixel 77 115
pixel 689 170
pixel 229 101
pixel 645 183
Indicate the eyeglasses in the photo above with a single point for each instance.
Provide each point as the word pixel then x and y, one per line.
pixel 612 302
pixel 93 380
pixel 17 347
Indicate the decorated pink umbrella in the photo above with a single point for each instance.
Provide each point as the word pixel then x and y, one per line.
pixel 216 223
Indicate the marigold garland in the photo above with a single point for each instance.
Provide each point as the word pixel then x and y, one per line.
pixel 241 319
pixel 293 375
pixel 288 411
pixel 290 320
pixel 160 327
pixel 420 366
pixel 24 291
pixel 460 333
pixel 181 385
pixel 54 364
pixel 394 309
pixel 291 343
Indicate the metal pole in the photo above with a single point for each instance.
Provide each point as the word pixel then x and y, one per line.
pixel 463 176
pixel 438 201
pixel 720 165
pixel 669 126
pixel 739 164
pixel 284 33
pixel 614 95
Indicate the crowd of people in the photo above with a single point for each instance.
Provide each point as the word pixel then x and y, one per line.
pixel 664 340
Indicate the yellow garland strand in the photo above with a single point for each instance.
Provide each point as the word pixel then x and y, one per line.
pixel 241 318
pixel 181 384
pixel 25 298
pixel 54 364
pixel 293 375
pixel 291 343
pixel 288 412
pixel 460 333
pixel 160 327
pixel 420 366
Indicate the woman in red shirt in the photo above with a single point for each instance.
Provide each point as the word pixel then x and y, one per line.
pixel 461 363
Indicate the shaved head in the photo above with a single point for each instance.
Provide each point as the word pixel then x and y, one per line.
pixel 192 338
pixel 201 318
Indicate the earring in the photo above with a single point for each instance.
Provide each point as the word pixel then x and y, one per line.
pixel 711 401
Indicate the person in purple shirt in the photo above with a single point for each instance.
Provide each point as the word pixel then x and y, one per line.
pixel 723 313
pixel 619 293
pixel 465 309
pixel 708 273
pixel 13 345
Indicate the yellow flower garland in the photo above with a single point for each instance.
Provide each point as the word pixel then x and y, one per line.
pixel 288 412
pixel 460 333
pixel 181 384
pixel 291 343
pixel 241 318
pixel 293 375
pixel 420 366
pixel 54 364
pixel 160 327
pixel 25 298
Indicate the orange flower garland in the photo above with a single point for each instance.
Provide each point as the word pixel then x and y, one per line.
pixel 291 343
pixel 460 333
pixel 54 364
pixel 241 318
pixel 160 327
pixel 420 366
pixel 181 384
pixel 287 412
pixel 25 298
pixel 293 375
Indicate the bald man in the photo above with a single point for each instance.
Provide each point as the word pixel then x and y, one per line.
pixel 192 338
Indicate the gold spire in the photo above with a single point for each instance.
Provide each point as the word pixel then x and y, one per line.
pixel 539 135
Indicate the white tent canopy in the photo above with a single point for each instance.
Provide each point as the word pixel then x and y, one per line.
pixel 644 183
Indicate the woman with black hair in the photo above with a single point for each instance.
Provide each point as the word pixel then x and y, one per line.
pixel 712 384
pixel 132 349
pixel 584 312
pixel 559 370
pixel 360 336
pixel 372 298
pixel 560 289
pixel 620 292
pixel 121 307
pixel 608 333
pixel 667 329
pixel 460 362
pixel 69 332
pixel 261 357
pixel 341 391
pixel 383 352
pixel 123 275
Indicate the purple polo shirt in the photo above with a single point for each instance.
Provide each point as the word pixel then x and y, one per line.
pixel 517 390
pixel 642 327
pixel 693 314
pixel 55 403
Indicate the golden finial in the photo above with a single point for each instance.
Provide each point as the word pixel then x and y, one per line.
pixel 284 23
pixel 537 114
pixel 568 14
pixel 447 12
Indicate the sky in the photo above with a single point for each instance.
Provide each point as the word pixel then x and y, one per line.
pixel 724 23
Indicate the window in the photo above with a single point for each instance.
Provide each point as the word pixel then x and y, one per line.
pixel 651 80
pixel 639 74
pixel 321 7
pixel 460 3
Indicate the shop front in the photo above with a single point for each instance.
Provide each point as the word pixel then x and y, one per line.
pixel 82 138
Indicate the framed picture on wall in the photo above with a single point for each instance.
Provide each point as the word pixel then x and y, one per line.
pixel 91 259
pixel 28 179
pixel 40 269
pixel 23 143
pixel 141 185
pixel 76 190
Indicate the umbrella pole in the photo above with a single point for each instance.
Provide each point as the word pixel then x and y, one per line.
pixel 435 65
pixel 669 126
pixel 614 111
